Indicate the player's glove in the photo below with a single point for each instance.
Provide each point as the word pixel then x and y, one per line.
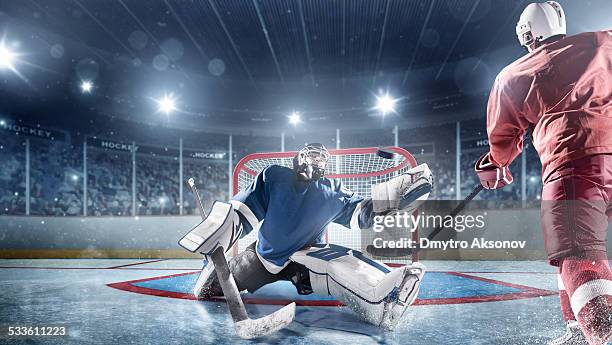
pixel 492 176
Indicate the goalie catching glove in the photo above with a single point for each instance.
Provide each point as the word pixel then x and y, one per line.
pixel 490 175
pixel 403 193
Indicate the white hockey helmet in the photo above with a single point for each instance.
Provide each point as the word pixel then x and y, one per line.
pixel 540 21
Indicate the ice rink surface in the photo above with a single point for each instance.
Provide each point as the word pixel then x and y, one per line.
pixel 468 302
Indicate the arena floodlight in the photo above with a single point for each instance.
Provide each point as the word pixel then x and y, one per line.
pixel 10 59
pixel 385 104
pixel 295 118
pixel 166 104
pixel 7 58
pixel 86 86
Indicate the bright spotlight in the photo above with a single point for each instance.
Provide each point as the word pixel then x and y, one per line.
pixel 385 104
pixel 2 123
pixel 10 59
pixel 166 104
pixel 162 200
pixel 294 118
pixel 86 86
pixel 75 178
pixel 7 57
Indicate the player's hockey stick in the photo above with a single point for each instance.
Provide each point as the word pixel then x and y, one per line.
pixel 246 328
pixel 398 252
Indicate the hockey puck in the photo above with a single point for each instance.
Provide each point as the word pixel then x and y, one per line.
pixel 385 153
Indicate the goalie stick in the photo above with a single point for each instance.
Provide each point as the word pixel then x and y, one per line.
pixel 399 252
pixel 246 328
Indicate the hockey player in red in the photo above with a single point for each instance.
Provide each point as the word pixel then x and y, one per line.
pixel 562 89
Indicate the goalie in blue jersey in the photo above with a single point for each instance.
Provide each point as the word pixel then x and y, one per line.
pixel 292 208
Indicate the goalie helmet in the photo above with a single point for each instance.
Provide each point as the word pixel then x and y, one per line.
pixel 539 22
pixel 310 163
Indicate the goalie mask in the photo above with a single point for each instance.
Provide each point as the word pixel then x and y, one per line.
pixel 310 163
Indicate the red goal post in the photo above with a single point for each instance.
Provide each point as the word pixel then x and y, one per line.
pixel 357 168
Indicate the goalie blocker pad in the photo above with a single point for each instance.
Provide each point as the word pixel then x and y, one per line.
pixel 405 192
pixel 377 293
pixel 223 226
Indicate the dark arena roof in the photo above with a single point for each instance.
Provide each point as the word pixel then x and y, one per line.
pixel 245 65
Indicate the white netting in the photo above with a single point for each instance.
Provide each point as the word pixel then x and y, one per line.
pixel 358 169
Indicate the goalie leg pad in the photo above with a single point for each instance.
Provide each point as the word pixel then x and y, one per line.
pixel 405 192
pixel 377 293
pixel 222 227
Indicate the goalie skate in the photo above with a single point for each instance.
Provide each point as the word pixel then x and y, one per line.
pixel 404 295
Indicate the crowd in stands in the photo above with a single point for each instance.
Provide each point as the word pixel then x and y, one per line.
pixel 366 138
pixel 109 183
pixel 444 172
pixel 12 175
pixel 157 185
pixel 243 145
pixel 56 171
pixel 212 180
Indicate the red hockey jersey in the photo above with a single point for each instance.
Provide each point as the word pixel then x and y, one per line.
pixel 563 90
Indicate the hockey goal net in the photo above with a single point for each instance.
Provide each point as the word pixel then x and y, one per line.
pixel 357 168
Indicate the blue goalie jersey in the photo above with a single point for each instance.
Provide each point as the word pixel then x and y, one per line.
pixel 295 213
